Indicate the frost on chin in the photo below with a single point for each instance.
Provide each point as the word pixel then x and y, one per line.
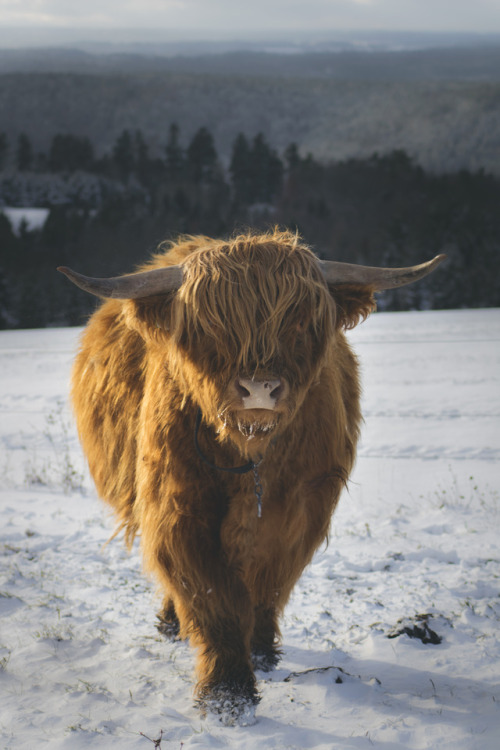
pixel 249 430
pixel 230 711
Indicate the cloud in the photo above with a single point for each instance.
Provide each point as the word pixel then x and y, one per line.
pixel 89 13
pixel 258 15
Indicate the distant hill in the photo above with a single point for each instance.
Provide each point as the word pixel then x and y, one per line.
pixel 440 105
pixel 466 63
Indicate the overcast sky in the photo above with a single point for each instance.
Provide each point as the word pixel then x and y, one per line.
pixel 227 16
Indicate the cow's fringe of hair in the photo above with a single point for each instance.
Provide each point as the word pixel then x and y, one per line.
pixel 354 303
pixel 246 298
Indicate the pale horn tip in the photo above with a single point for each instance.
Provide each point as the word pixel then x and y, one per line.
pixel 439 258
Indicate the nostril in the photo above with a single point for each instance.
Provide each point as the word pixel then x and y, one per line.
pixel 276 392
pixel 241 390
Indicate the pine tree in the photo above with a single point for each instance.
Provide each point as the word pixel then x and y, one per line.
pixel 174 155
pixel 241 171
pixel 4 150
pixel 24 153
pixel 69 153
pixel 144 166
pixel 123 155
pixel 292 157
pixel 267 170
pixel 202 156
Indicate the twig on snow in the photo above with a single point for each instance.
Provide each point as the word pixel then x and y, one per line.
pixel 156 743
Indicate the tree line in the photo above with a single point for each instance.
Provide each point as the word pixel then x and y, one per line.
pixel 256 171
pixel 107 212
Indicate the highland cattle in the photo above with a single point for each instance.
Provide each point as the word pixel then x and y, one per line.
pixel 218 403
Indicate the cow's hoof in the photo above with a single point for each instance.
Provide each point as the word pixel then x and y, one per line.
pixel 265 660
pixel 230 708
pixel 168 628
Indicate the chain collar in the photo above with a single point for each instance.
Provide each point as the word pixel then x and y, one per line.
pixel 245 469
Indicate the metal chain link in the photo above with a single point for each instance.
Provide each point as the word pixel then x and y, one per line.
pixel 258 489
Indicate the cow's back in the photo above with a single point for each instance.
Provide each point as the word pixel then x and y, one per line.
pixel 107 388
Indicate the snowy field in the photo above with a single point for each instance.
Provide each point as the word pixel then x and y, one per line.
pixel 413 552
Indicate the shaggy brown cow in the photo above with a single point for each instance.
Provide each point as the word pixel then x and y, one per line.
pixel 217 401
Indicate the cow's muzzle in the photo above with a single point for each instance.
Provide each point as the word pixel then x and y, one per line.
pixel 261 393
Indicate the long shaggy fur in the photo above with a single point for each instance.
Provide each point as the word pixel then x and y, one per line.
pixel 253 306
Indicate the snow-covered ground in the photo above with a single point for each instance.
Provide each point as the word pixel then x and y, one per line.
pixel 413 550
pixel 33 218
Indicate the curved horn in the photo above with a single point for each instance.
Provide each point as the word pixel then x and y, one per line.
pixel 131 286
pixel 378 278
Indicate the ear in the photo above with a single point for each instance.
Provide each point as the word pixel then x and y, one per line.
pixel 149 316
pixel 353 304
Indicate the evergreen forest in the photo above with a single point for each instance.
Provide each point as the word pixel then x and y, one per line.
pixel 107 213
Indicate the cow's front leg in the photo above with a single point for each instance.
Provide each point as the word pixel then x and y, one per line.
pixel 219 621
pixel 226 681
pixel 213 606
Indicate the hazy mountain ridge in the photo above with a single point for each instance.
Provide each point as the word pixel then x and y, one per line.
pixel 467 62
pixel 174 41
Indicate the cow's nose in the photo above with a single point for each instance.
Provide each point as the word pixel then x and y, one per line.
pixel 259 394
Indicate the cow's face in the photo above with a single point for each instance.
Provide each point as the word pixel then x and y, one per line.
pixel 249 328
